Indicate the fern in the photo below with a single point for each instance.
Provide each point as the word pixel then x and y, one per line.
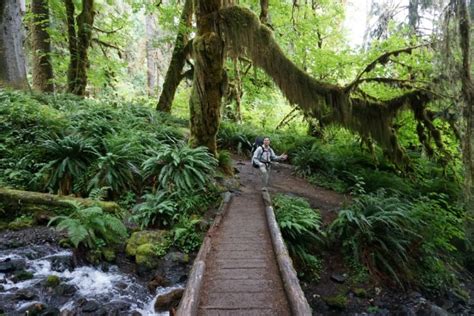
pixel 300 226
pixel 180 168
pixel 90 227
pixel 378 230
pixel 158 208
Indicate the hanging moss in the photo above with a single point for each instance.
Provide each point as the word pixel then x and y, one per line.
pixel 330 104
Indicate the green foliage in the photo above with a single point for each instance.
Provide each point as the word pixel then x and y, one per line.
pixel 442 229
pixel 90 227
pixel 157 208
pixel 300 226
pixel 21 222
pixel 378 230
pixel 69 157
pixel 225 162
pixel 181 168
pixel 117 168
pixel 185 235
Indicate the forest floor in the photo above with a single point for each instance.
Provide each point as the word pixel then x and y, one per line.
pixel 340 290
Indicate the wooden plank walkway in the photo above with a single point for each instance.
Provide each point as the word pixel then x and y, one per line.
pixel 242 275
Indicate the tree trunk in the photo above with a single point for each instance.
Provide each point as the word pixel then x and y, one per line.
pixel 41 46
pixel 413 15
pixel 12 58
pixel 151 52
pixel 178 59
pixel 468 113
pixel 209 76
pixel 79 43
pixel 72 42
pixel 264 11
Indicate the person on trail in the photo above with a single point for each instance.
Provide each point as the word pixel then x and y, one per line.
pixel 263 157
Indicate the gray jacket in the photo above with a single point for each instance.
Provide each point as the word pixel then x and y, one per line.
pixel 261 156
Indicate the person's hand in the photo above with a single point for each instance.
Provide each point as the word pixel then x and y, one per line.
pixel 284 157
pixel 263 168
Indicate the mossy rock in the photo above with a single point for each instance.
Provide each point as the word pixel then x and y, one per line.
pixel 23 275
pixel 94 256
pixel 147 256
pixel 359 292
pixel 338 301
pixel 144 237
pixel 21 222
pixel 52 281
pixel 109 254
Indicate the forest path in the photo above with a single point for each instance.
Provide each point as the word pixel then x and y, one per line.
pixel 242 275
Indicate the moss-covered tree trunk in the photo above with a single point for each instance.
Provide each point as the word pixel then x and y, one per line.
pixel 209 76
pixel 468 96
pixel 12 58
pixel 178 59
pixel 79 37
pixel 41 47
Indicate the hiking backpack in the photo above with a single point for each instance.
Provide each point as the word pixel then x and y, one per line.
pixel 258 143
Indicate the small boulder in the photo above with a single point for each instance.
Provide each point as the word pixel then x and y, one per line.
pixel 10 265
pixel 144 237
pixel 339 278
pixel 52 281
pixel 90 306
pixel 168 300
pixel 22 275
pixel 64 289
pixel 337 302
pixel 146 255
pixel 157 281
pixel 25 295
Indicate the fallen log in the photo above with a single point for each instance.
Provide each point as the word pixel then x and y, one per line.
pixel 16 202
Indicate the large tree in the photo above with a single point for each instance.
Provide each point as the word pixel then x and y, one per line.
pixel 79 38
pixel 236 31
pixel 174 74
pixel 467 89
pixel 12 58
pixel 41 47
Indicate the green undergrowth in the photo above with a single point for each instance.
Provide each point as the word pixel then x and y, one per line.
pixel 108 150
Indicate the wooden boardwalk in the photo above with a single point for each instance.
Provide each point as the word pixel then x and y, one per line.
pixel 243 266
pixel 242 276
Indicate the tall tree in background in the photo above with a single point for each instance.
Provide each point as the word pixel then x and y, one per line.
pixel 467 89
pixel 174 74
pixel 41 47
pixel 79 38
pixel 151 55
pixel 12 58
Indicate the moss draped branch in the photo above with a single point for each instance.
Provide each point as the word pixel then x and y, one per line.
pixel 371 118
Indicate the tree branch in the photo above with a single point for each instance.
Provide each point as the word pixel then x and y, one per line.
pixel 382 59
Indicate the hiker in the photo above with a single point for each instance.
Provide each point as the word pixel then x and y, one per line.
pixel 262 159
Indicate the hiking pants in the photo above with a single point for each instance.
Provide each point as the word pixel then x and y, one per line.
pixel 265 173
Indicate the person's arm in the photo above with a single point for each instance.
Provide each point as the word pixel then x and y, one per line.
pixel 275 157
pixel 257 153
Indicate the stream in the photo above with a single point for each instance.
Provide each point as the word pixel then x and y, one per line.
pixel 42 280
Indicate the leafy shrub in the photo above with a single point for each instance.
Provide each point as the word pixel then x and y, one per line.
pixel 181 168
pixel 300 226
pixel 69 157
pixel 90 227
pixel 378 230
pixel 118 167
pixel 157 208
pixel 185 235
pixel 225 162
pixel 442 230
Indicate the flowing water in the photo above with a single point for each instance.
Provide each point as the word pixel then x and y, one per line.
pixel 81 289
